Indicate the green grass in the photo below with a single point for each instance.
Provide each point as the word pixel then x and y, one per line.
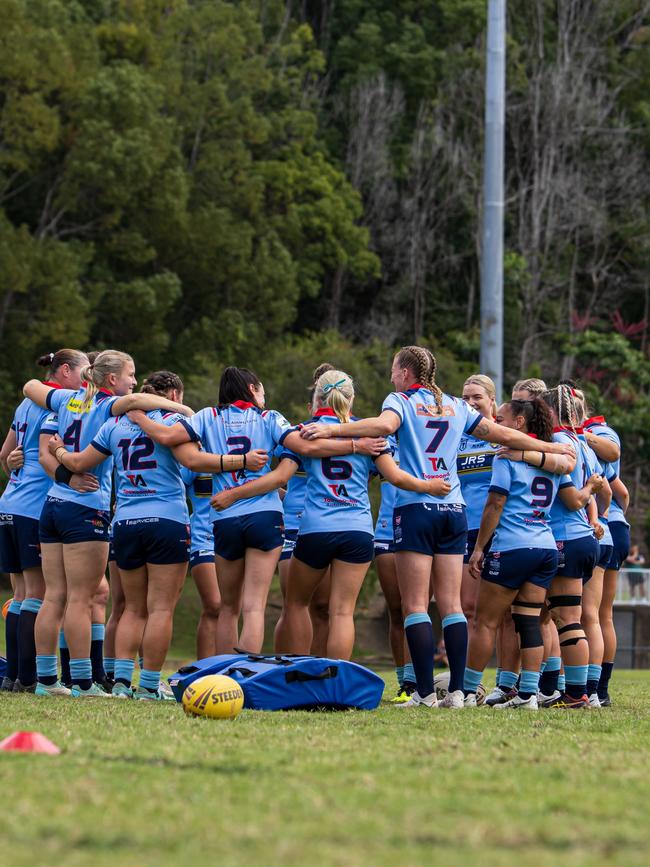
pixel 142 784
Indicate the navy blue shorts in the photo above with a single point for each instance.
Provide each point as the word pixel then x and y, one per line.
pixel 621 538
pixel 20 546
pixel 383 546
pixel 150 540
pixel 66 522
pixel 605 555
pixel 289 544
pixel 429 528
pixel 319 549
pixel 205 555
pixel 514 568
pixel 577 557
pixel 261 530
pixel 472 536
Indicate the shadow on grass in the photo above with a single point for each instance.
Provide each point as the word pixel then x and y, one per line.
pixel 163 762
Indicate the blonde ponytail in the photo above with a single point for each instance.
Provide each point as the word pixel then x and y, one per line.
pixel 108 362
pixel 335 389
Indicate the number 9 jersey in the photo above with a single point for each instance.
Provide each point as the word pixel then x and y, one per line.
pixel 530 493
pixel 428 439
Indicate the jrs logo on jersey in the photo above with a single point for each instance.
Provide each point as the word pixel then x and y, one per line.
pixel 475 462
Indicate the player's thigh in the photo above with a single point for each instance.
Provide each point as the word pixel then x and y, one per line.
pixel 85 565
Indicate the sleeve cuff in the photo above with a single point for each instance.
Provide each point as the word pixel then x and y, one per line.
pixel 392 409
pixel 567 485
pixel 100 448
pixel 48 399
pixel 289 456
pixel 194 437
pixel 495 489
pixel 287 432
pixel 473 425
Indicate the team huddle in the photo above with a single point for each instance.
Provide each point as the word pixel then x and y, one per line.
pixel 512 518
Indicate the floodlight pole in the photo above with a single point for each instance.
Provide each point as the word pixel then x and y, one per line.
pixel 491 359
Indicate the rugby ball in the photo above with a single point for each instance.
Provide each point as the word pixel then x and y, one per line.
pixel 441 685
pixel 215 696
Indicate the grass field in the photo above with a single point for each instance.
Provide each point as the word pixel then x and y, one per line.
pixel 140 783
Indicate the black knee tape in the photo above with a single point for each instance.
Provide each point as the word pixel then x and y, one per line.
pixel 574 632
pixel 564 601
pixel 528 628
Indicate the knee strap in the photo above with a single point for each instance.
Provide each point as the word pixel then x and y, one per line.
pixel 570 634
pixel 564 601
pixel 527 627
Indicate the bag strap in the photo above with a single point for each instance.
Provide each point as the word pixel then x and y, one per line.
pixel 304 676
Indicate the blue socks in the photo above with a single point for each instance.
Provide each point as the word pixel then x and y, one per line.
pixel 471 680
pixel 419 635
pixel 399 674
pixel 149 680
pixel 81 672
pixel 46 668
pixel 11 636
pixel 528 683
pixel 454 630
pixel 26 646
pixel 97 652
pixel 409 674
pixel 561 683
pixel 507 679
pixel 109 667
pixel 124 671
pixel 576 680
pixel 603 683
pixel 548 681
pixel 593 678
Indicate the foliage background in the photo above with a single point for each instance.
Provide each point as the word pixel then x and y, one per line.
pixel 275 184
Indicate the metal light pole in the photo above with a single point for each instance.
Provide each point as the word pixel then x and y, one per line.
pixel 492 270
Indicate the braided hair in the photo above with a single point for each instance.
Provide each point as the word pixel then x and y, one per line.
pixel 162 382
pixel 423 364
pixel 568 410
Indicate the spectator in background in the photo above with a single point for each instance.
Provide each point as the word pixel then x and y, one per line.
pixel 634 562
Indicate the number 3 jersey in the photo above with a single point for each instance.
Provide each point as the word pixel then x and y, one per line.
pixel 336 496
pixel 148 482
pixel 237 429
pixel 77 425
pixel 428 439
pixel 529 494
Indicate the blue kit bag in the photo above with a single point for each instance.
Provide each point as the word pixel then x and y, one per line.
pixel 290 682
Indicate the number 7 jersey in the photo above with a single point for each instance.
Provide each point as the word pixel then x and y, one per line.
pixel 428 439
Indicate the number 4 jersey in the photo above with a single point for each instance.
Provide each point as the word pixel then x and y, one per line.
pixel 148 481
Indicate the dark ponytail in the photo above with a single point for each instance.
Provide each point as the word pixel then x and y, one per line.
pixel 234 385
pixel 55 360
pixel 538 417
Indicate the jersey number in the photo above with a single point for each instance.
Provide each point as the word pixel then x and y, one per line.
pixel 72 436
pixel 242 445
pixel 440 428
pixel 135 451
pixel 336 470
pixel 542 491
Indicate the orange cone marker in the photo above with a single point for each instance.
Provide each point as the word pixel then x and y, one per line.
pixel 29 742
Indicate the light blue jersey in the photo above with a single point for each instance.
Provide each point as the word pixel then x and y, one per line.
pixel 236 430
pixel 294 500
pixel 565 523
pixel 429 438
pixel 474 467
pixel 384 525
pixel 598 426
pixel 337 490
pixel 27 487
pixel 530 493
pixel 594 465
pixel 199 490
pixel 148 480
pixel 77 427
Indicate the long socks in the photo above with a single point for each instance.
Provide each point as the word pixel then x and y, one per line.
pixel 548 681
pixel 81 672
pixel 454 630
pixel 27 648
pixel 528 683
pixel 419 634
pixel 64 653
pixel 603 683
pixel 97 652
pixel 11 636
pixel 576 680
pixel 593 678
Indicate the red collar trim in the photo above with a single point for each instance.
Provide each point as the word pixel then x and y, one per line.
pixel 105 391
pixel 415 386
pixel 580 430
pixel 595 419
pixel 564 429
pixel 53 384
pixel 243 404
pixel 325 410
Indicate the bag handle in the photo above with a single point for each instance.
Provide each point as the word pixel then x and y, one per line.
pixel 304 676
